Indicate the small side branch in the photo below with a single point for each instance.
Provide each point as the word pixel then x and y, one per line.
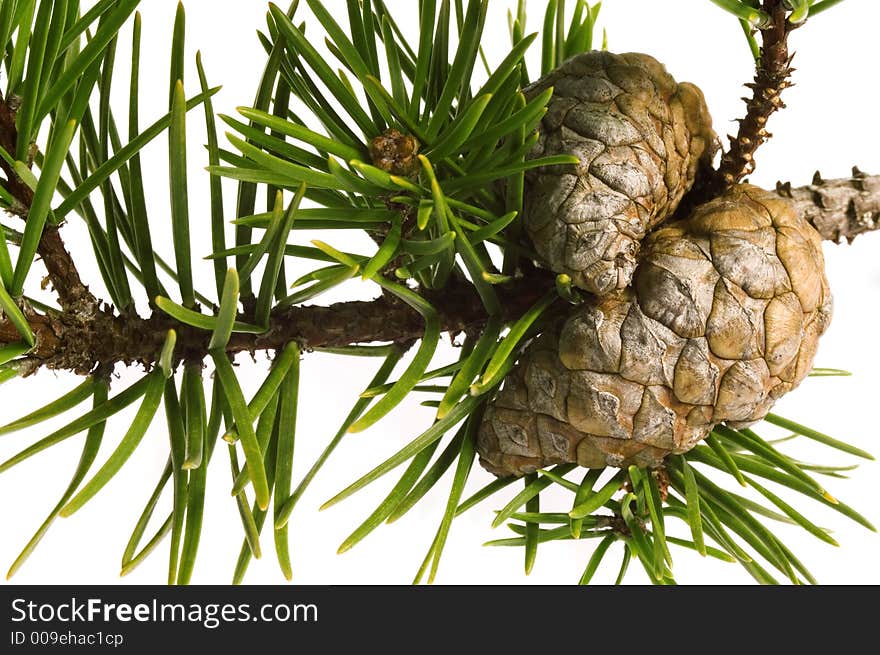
pixel 771 79
pixel 9 140
pixel 73 295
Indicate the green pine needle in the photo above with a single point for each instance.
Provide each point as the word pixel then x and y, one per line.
pixel 98 391
pixel 202 321
pixel 65 403
pixel 107 168
pixel 245 427
pixel 131 440
pixel 417 367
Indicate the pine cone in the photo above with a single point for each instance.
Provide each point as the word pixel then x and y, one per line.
pixel 723 319
pixel 640 137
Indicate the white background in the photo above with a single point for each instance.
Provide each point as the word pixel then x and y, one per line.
pixel 830 124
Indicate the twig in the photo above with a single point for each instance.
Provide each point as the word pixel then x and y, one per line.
pixel 771 79
pixel 8 139
pixel 73 295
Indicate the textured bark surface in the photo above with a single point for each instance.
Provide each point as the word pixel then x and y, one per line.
pixel 82 341
pixel 640 138
pixel 8 140
pixel 771 79
pixel 724 318
pixel 840 210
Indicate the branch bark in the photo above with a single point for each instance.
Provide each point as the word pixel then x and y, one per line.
pixel 8 139
pixel 771 79
pixel 64 342
pixel 73 295
pixel 838 209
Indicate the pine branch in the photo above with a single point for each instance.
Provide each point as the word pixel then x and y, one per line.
pixel 81 341
pixel 66 342
pixel 432 218
pixel 85 335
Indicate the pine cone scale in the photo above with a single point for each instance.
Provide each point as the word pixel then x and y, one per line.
pixel 723 318
pixel 639 137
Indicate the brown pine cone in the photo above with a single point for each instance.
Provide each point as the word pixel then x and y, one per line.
pixel 640 137
pixel 723 319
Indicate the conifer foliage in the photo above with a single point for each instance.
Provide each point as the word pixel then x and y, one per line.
pixel 409 134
